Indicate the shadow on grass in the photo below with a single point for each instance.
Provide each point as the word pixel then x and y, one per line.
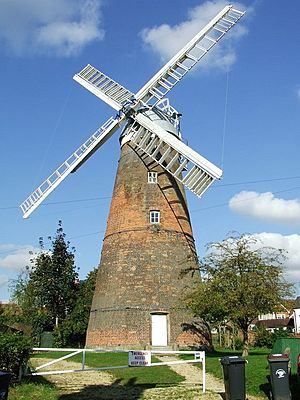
pixel 218 353
pixel 228 352
pixel 266 387
pixel 37 380
pixel 115 391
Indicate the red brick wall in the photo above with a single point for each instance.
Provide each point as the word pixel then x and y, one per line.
pixel 141 264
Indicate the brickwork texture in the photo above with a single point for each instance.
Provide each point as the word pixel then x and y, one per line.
pixel 140 271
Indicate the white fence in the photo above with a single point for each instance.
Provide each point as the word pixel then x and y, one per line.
pixel 136 359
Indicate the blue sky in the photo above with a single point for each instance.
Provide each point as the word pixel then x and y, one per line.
pixel 240 110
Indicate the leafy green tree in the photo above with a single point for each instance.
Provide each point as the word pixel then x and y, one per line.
pixel 28 311
pixel 72 331
pixel 46 291
pixel 54 278
pixel 6 313
pixel 240 280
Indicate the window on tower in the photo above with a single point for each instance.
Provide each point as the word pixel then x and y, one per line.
pixel 152 177
pixel 154 217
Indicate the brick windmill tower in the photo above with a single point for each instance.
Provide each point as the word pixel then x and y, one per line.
pixel 148 240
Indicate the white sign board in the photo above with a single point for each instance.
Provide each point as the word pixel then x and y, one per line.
pixel 139 358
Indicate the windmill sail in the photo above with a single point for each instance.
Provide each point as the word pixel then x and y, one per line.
pixel 103 87
pixel 70 165
pixel 191 169
pixel 195 172
pixel 171 73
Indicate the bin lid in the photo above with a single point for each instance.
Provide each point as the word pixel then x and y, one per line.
pixel 278 357
pixel 226 360
pixel 4 373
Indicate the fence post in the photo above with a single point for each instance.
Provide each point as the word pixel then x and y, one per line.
pixel 83 359
pixel 203 373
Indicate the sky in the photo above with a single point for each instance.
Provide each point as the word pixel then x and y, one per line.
pixel 240 110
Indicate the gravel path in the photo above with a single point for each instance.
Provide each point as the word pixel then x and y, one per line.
pixel 73 382
pixel 193 375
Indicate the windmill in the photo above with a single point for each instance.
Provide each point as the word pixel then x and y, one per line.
pixel 149 235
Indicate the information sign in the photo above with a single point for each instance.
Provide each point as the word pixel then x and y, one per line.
pixel 139 358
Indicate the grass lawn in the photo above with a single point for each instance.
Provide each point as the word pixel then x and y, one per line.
pixel 38 388
pixel 159 376
pixel 33 389
pixel 256 371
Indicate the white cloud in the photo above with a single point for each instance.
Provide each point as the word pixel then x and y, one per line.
pixel 56 27
pixel 166 40
pixel 266 207
pixel 5 247
pixel 289 243
pixel 298 92
pixel 17 258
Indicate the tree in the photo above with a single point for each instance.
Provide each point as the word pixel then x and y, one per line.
pixel 240 280
pixel 46 290
pixel 28 311
pixel 72 331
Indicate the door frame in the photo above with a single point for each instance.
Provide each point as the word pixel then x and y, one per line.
pixel 161 313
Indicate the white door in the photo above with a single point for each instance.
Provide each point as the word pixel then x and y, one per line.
pixel 159 330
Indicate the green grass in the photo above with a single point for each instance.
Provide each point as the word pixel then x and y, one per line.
pixel 256 370
pixel 34 390
pixel 156 376
pixel 39 388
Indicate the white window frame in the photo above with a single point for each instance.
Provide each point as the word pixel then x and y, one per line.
pixel 152 177
pixel 154 217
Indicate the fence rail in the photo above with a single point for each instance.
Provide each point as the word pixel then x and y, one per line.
pixel 199 357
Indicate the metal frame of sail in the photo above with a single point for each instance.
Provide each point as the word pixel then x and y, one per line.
pixel 193 171
pixel 167 77
pixel 68 166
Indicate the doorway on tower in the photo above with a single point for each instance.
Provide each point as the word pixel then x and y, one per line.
pixel 159 329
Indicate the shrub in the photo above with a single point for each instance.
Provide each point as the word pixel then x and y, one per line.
pixel 238 343
pixel 15 350
pixel 265 338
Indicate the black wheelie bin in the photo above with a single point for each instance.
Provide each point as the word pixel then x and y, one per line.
pixel 234 377
pixel 279 376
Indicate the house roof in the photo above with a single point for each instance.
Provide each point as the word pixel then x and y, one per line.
pixel 274 323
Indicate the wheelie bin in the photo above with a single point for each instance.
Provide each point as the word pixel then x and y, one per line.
pixel 234 377
pixel 4 384
pixel 279 376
